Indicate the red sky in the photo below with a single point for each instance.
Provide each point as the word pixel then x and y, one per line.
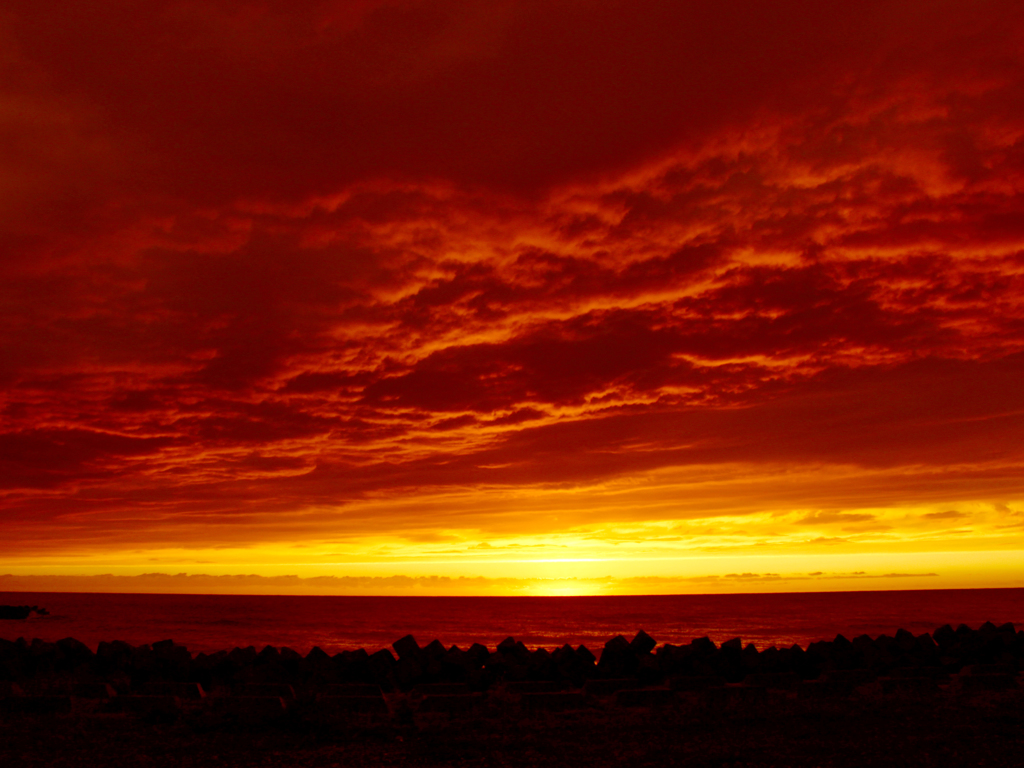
pixel 721 295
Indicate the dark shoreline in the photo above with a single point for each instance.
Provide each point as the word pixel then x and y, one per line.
pixel 939 655
pixel 956 691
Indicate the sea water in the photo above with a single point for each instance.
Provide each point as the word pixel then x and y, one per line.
pixel 213 622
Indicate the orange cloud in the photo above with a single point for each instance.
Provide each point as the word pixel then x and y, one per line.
pixel 379 273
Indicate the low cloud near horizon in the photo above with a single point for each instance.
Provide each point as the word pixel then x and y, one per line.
pixel 241 584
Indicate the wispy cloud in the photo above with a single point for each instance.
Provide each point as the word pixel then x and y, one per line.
pixel 266 280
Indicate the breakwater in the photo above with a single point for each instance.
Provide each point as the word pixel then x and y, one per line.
pixel 635 671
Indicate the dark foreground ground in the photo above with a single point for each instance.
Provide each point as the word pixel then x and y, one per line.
pixel 877 730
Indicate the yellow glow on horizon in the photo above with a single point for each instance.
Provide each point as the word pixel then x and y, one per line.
pixel 667 532
pixel 706 574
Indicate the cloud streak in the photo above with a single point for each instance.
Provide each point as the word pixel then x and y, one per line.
pixel 281 274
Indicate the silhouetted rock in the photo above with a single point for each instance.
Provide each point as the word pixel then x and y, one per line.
pixel 15 663
pixel 497 664
pixel 703 646
pixel 521 653
pixel 617 658
pixel 565 654
pixel 751 659
pixel 885 642
pixel 434 650
pixel 802 664
pixel 905 640
pixel 542 666
pixel 769 660
pixel 863 642
pixel 821 653
pixel 571 666
pixel 944 636
pixel 171 661
pixel 478 653
pixel 674 659
pixel 318 667
pixel 583 653
pixel 15 612
pixel 868 654
pixel 72 655
pixel 203 666
pixel 291 660
pixel 617 646
pixel 407 672
pixel 642 643
pixel 728 661
pixel 355 667
pixel 458 666
pixel 318 656
pixel 648 672
pixel 113 656
pixel 988 628
pixel 382 663
pixel 408 648
pixel 903 665
pixel 243 657
pixel 42 657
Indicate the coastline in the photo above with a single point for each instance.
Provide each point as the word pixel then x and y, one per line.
pixel 941 698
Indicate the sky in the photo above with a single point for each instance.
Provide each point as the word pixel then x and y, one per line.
pixel 513 297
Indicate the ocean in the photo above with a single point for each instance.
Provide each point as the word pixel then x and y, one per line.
pixel 213 622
